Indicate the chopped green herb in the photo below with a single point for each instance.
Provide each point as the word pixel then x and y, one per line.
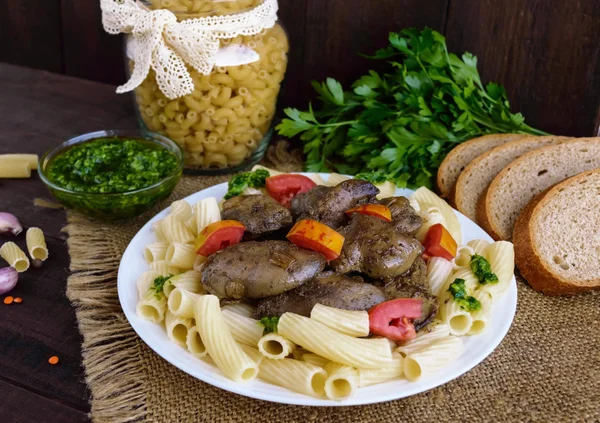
pixel 159 284
pixel 373 177
pixel 239 183
pixel 483 270
pixel 270 324
pixel 402 123
pixel 459 293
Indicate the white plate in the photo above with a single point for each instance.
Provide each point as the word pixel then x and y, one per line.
pixel 477 348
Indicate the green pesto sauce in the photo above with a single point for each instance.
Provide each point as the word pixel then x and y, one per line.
pixel 111 165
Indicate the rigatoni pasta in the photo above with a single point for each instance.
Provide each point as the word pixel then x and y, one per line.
pixel 181 303
pixel 14 256
pixel 275 346
pixel 177 328
pixel 295 375
pixel 36 244
pixel 152 307
pixel 351 323
pixel 180 255
pixel 155 251
pixel 341 382
pixel 31 159
pixel 244 330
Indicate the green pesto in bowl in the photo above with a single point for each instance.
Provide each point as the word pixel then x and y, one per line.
pixel 112 175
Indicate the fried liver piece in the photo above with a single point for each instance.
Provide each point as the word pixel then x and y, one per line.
pixel 375 248
pixel 328 205
pixel 339 291
pixel 259 269
pixel 404 217
pixel 261 214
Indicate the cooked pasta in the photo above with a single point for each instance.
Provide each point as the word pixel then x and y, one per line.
pixel 244 330
pixel 501 256
pixel 15 169
pixel 31 159
pixel 14 256
pixel 182 209
pixel 315 359
pixel 177 328
pixel 317 179
pixel 481 316
pixel 343 349
pixel 157 227
pixel 242 309
pixel 437 330
pixel 206 211
pixel 335 179
pixel 426 198
pixel 220 344
pixel 152 307
pixel 194 343
pixel 163 268
pixel 272 172
pixel 180 255
pixel 386 189
pixel 351 323
pixel 275 346
pixel 253 353
pixel 463 257
pixel 438 271
pixel 230 112
pixel 428 361
pixel 155 251
pixel 431 216
pixel 181 303
pixel 199 263
pixel 36 244
pixel 295 375
pixel 479 246
pixel 341 382
pixel 394 370
pixel 145 281
pixel 189 281
pixel 458 320
pixel 175 230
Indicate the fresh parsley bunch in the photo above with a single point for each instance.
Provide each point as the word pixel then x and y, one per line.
pixel 400 125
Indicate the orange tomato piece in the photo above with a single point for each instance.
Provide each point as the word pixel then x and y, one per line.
pixel 439 243
pixel 377 210
pixel 219 235
pixel 318 237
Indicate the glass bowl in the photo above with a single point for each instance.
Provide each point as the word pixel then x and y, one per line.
pixel 114 206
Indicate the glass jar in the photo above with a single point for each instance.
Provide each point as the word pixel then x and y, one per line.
pixel 227 122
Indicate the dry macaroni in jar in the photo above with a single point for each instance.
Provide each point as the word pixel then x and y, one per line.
pixel 226 121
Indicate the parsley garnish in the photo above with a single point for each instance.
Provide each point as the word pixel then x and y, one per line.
pixel 399 125
pixel 159 284
pixel 459 293
pixel 239 183
pixel 270 324
pixel 483 270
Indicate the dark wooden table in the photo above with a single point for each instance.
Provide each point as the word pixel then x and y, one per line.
pixel 37 111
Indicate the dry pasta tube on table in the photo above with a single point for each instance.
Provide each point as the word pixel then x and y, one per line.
pixel 31 159
pixel 15 169
pixel 36 244
pixel 14 256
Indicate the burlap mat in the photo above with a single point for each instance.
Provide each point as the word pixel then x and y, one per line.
pixel 547 369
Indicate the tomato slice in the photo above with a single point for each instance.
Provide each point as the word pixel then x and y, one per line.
pixel 318 237
pixel 219 235
pixel 393 319
pixel 377 210
pixel 439 243
pixel 285 187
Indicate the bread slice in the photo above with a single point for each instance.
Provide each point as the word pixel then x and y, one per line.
pixel 478 174
pixel 557 237
pixel 529 175
pixel 461 156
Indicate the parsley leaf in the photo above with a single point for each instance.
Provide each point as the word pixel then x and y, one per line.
pixel 269 323
pixel 459 292
pixel 159 284
pixel 239 183
pixel 401 123
pixel 483 270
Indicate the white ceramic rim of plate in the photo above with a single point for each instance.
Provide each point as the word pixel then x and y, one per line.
pixel 477 348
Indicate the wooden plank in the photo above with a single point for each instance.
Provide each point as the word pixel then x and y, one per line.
pixel 42 109
pixel 30 33
pixel 90 52
pixel 337 30
pixel 292 14
pixel 22 406
pixel 545 53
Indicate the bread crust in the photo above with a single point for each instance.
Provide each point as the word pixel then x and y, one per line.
pixel 530 264
pixel 459 188
pixel 446 192
pixel 482 217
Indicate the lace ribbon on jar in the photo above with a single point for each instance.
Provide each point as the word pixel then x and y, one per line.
pixel 162 43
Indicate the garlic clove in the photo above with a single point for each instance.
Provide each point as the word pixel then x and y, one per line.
pixel 9 224
pixel 8 279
